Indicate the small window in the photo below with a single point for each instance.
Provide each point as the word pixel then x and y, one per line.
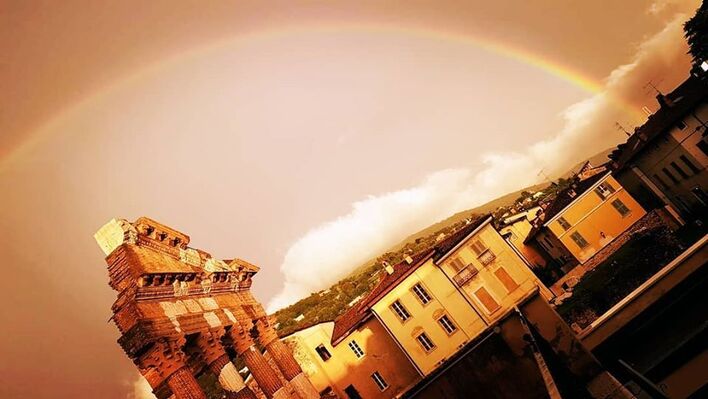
pixel 679 170
pixel 621 207
pixel 380 382
pixel 421 294
pixel 703 146
pixel 506 279
pixel 400 311
pixel 478 247
pixel 358 352
pixel 351 392
pixel 681 125
pixel 563 223
pixel 579 240
pixel 425 342
pixel 604 190
pixel 447 324
pixel 661 182
pixel 669 175
pixel 457 264
pixel 487 300
pixel 323 352
pixel 690 164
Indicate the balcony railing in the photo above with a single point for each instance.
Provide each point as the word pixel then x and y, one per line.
pixel 487 257
pixel 465 275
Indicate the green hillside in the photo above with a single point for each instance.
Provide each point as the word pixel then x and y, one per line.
pixel 326 305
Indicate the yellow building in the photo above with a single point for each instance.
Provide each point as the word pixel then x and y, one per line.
pixel 363 362
pixel 437 302
pixel 588 216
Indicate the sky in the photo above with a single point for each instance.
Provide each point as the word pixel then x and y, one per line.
pixel 303 136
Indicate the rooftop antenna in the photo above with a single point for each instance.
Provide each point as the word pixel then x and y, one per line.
pixel 651 86
pixel 622 128
pixel 543 173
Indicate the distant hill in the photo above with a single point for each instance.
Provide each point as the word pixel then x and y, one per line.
pixel 327 304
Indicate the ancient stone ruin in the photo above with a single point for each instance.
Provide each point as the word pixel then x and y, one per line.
pixel 182 312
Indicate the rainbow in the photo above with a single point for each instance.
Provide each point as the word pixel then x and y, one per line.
pixel 549 66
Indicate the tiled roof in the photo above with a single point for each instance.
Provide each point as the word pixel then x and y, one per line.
pixel 565 197
pixel 360 313
pixel 674 106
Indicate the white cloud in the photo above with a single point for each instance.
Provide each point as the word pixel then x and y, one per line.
pixel 328 252
pixel 141 389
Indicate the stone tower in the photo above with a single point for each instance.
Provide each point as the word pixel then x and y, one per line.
pixel 182 312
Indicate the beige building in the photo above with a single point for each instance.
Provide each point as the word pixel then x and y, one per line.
pixel 363 362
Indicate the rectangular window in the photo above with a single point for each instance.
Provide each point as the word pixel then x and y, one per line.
pixel 621 207
pixel 478 247
pixel 661 182
pixel 506 279
pixel 679 170
pixel 425 342
pixel 447 324
pixel 486 298
pixel 690 164
pixel 323 352
pixel 457 264
pixel 358 352
pixel 400 311
pixel 380 382
pixel 421 293
pixel 579 240
pixel 563 223
pixel 669 175
pixel 703 146
pixel 604 190
pixel 681 125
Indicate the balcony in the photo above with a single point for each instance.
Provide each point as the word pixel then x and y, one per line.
pixel 486 257
pixel 465 275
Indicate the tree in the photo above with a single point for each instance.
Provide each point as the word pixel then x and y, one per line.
pixel 696 30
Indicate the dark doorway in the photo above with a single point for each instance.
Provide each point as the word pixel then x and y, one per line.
pixel 351 392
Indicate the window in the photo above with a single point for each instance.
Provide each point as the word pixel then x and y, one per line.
pixel 323 352
pixel 679 170
pixel 621 207
pixel 681 125
pixel 604 190
pixel 400 311
pixel 425 342
pixel 661 182
pixel 356 349
pixel 457 264
pixel 690 164
pixel 703 146
pixel 579 240
pixel 351 392
pixel 487 300
pixel 700 195
pixel 478 247
pixel 548 242
pixel 380 382
pixel 506 279
pixel 669 175
pixel 422 294
pixel 563 223
pixel 447 324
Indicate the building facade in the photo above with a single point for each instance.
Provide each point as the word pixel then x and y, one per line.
pixel 594 217
pixel 663 164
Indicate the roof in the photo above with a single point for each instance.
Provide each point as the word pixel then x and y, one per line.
pixel 562 200
pixel 673 107
pixel 356 315
pixel 359 313
pixel 566 197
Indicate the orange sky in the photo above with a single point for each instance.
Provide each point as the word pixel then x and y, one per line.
pixel 305 153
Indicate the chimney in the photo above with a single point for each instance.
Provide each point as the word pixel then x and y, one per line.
pixel 387 266
pixel 408 259
pixel 664 102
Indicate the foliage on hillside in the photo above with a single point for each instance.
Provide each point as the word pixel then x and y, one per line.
pixel 326 305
